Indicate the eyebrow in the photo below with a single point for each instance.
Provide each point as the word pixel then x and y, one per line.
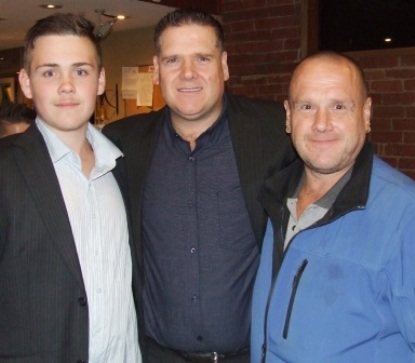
pixel 54 65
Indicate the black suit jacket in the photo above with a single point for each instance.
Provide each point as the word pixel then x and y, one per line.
pixel 43 306
pixel 259 140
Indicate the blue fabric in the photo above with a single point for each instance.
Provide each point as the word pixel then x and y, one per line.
pixel 355 300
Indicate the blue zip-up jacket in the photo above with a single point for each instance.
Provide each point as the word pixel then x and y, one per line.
pixel 344 289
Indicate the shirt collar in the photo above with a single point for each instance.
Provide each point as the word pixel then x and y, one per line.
pixel 105 152
pixel 212 135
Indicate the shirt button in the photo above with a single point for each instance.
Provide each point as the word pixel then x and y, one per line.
pixel 194 298
pixel 190 203
pixel 199 338
pixel 81 361
pixel 191 158
pixel 82 301
pixel 192 250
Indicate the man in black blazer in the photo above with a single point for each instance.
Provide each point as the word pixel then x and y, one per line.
pixel 194 169
pixel 65 260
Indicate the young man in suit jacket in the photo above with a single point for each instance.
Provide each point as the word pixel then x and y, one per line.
pixel 65 261
pixel 194 170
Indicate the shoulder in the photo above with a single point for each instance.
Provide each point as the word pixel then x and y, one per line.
pixel 254 106
pixel 133 125
pixel 7 144
pixel 385 176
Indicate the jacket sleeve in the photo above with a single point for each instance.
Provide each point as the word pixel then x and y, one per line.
pixel 400 272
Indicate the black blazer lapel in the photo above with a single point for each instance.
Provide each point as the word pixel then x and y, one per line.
pixel 37 169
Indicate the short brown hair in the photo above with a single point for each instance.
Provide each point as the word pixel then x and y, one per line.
pixel 60 24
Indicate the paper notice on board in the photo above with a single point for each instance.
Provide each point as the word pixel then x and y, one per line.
pixel 145 89
pixel 129 82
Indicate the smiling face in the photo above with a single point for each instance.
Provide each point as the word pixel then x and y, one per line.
pixel 328 114
pixel 63 81
pixel 191 71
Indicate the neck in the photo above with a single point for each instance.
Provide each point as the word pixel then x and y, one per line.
pixel 191 130
pixel 76 140
pixel 315 186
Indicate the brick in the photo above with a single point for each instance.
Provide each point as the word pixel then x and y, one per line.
pixel 374 74
pixel 242 27
pixel 229 6
pixel 290 44
pixel 407 163
pixel 400 150
pixel 398 98
pixel 409 85
pixel 409 138
pixel 379 62
pixel 387 112
pixel 410 112
pixel 408 60
pixel 380 125
pixel 377 99
pixel 403 73
pixel 387 137
pixel 236 38
pixel 386 86
pixel 403 124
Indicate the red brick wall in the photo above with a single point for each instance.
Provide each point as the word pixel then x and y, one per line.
pixel 391 81
pixel 263 40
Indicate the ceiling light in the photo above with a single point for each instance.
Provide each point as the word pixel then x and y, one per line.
pixel 387 40
pixel 50 6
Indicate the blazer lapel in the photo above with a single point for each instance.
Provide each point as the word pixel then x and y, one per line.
pixel 37 169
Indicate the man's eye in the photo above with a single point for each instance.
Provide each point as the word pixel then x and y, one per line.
pixel 305 107
pixel 170 60
pixel 203 58
pixel 81 72
pixel 48 74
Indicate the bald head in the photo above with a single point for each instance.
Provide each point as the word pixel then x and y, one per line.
pixel 327 58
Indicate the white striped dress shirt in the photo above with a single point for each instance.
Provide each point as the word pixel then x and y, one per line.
pixel 99 226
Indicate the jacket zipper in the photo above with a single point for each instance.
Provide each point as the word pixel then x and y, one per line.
pixel 296 281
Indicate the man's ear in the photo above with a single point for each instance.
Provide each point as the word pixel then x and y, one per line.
pixel 367 113
pixel 24 82
pixel 225 68
pixel 287 116
pixel 156 72
pixel 101 82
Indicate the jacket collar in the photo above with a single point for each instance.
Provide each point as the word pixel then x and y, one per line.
pixel 354 195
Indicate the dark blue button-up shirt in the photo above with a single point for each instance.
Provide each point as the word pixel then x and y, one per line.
pixel 200 253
